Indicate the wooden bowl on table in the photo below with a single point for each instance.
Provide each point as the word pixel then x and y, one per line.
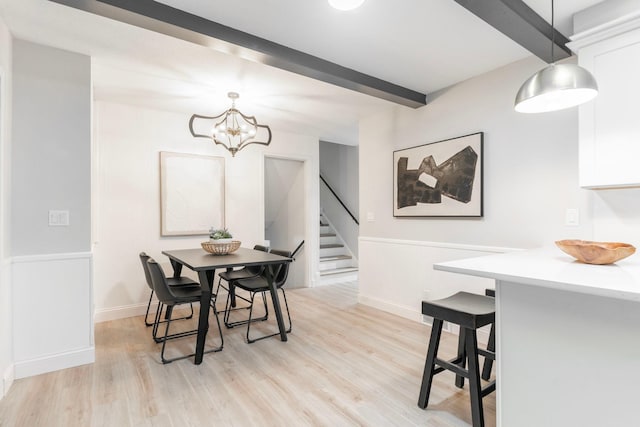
pixel 596 252
pixel 223 248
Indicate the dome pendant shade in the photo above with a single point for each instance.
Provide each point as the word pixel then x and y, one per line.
pixel 556 87
pixel 345 4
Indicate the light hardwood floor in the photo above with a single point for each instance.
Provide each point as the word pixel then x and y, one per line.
pixel 345 364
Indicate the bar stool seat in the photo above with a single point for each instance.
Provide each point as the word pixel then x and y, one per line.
pixel 470 312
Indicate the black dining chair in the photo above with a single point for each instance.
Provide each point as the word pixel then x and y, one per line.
pixel 244 273
pixel 259 285
pixel 172 282
pixel 172 297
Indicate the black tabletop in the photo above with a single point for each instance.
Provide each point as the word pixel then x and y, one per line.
pixel 199 259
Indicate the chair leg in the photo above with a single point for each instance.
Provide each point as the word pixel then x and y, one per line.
pixel 228 309
pixel 264 299
pixel 253 295
pixel 430 363
pixel 215 313
pixel 157 322
pixel 286 305
pixel 491 346
pixel 475 389
pixel 146 316
pixel 191 314
pixel 168 336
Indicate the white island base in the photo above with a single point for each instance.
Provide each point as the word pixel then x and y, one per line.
pixel 568 338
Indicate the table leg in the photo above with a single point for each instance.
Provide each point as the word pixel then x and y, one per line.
pixel 206 282
pixel 274 298
pixel 177 268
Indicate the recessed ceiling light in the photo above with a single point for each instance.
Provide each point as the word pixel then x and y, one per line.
pixel 345 4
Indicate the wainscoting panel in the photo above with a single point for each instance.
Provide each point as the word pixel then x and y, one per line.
pixel 396 275
pixel 52 312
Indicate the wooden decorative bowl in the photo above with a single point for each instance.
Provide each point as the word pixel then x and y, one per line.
pixel 596 252
pixel 221 248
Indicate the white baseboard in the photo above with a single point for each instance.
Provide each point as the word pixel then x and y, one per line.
pixel 406 312
pixel 122 312
pixel 55 362
pixel 7 380
pixel 416 316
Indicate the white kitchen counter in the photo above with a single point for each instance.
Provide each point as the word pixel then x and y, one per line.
pixel 568 338
pixel 550 267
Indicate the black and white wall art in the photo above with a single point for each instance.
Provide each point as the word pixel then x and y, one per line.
pixel 439 179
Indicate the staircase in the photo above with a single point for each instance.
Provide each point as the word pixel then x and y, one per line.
pixel 337 263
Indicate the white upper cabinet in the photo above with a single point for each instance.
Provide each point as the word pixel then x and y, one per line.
pixel 609 126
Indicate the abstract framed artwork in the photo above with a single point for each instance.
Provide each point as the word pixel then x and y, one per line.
pixel 192 194
pixel 439 179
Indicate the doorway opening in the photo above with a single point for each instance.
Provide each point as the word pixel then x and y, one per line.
pixel 285 213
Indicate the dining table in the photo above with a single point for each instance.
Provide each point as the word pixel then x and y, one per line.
pixel 205 265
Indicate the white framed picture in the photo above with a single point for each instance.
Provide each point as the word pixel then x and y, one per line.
pixel 192 193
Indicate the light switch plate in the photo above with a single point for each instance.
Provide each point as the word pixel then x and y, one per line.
pixel 58 218
pixel 572 217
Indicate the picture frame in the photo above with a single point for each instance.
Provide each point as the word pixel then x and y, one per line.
pixel 192 193
pixel 440 179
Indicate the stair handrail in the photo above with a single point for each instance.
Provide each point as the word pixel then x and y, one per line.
pixel 339 200
pixel 296 250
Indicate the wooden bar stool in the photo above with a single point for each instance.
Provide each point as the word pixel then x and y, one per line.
pixel 491 344
pixel 470 312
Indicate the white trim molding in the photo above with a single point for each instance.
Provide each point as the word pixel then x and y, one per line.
pixel 52 320
pixel 7 380
pixel 51 257
pixel 124 311
pixel 444 245
pixel 56 362
pixel 396 275
pixel 605 31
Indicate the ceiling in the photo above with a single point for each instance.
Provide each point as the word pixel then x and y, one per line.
pixel 424 46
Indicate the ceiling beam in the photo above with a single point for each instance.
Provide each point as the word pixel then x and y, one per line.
pixel 173 22
pixel 520 23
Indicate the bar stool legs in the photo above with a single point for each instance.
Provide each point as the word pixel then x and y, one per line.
pixel 491 344
pixel 429 366
pixel 470 312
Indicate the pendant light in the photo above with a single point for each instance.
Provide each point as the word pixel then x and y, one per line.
pixel 232 129
pixel 345 4
pixel 556 87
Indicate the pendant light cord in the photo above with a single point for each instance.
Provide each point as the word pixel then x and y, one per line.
pixel 553 34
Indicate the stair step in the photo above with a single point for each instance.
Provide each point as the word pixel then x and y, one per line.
pixel 338 271
pixel 331 245
pixel 334 258
pixel 327 234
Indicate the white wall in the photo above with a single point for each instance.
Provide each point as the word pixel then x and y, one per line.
pixel 51 149
pixel 6 325
pixel 50 169
pixel 339 166
pixel 127 196
pixel 617 215
pixel 530 179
